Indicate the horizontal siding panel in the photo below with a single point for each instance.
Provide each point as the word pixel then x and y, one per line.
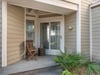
pixel 96 33
pixel 13 40
pixel 70 36
pixel 97 19
pixel 15 36
pixel 11 31
pixel 85 27
pixel 18 54
pixel 14 44
pixel 15 31
pixel 14 20
pixel 13 50
pixel 13 61
pixel 15 25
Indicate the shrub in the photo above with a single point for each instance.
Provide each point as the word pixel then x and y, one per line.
pixel 93 68
pixel 66 72
pixel 71 62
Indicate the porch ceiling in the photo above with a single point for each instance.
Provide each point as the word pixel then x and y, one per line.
pixel 54 6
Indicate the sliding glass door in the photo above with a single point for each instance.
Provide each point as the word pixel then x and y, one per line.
pixel 50 37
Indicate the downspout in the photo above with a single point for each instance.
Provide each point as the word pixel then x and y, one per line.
pixel 78 29
pixel 91 57
pixel 4 33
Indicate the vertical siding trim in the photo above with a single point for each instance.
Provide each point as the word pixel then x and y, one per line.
pixel 63 32
pixel 4 33
pixel 24 32
pixel 78 29
pixel 90 35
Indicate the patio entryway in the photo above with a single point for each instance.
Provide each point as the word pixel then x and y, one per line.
pixel 46 30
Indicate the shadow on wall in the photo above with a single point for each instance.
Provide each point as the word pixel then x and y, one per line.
pixel 22 49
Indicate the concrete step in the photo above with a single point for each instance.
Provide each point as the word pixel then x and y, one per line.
pixel 1 69
pixel 53 70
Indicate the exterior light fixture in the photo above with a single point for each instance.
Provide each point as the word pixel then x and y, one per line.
pixel 70 27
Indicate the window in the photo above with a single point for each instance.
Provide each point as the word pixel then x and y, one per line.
pixel 30 30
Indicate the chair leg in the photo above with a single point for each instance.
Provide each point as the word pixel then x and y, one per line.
pixel 31 56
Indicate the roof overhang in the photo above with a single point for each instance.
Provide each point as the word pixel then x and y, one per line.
pixel 54 6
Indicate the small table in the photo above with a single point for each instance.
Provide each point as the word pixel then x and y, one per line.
pixel 41 51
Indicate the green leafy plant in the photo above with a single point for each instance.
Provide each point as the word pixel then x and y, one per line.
pixel 71 62
pixel 93 68
pixel 66 72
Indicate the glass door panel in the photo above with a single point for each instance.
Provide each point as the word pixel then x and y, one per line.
pixel 44 35
pixel 55 36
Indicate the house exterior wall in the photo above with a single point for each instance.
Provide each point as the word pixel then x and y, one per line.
pixel 70 35
pixel 15 33
pixel 96 33
pixel 85 43
pixel 0 33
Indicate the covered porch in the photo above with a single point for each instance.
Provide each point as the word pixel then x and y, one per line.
pixel 49 21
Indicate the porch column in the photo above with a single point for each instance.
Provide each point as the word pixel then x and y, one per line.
pixel 4 33
pixel 78 29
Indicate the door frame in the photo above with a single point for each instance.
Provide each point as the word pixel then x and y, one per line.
pixel 54 19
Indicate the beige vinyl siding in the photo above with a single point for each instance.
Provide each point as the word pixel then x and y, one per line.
pixel 15 33
pixel 70 35
pixel 85 46
pixel 0 33
pixel 96 33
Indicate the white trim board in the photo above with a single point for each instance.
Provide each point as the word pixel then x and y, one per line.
pixel 91 36
pixel 95 4
pixel 46 5
pixel 78 29
pixel 60 3
pixel 24 32
pixel 4 33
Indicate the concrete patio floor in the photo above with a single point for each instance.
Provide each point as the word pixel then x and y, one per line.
pixel 24 65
